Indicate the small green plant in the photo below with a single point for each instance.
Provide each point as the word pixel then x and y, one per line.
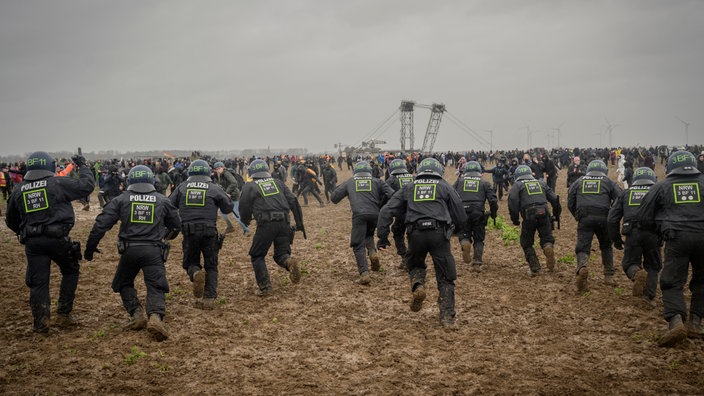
pixel 673 365
pixel 72 351
pixel 509 233
pixel 318 246
pixel 637 337
pixel 284 281
pixel 274 320
pixel 161 367
pixel 567 259
pixel 98 334
pixel 134 356
pixel 586 294
pixel 619 291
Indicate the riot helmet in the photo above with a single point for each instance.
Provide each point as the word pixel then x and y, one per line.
pixel 644 177
pixel 472 168
pixel 362 168
pixel 682 163
pixel 597 168
pixel 523 172
pixel 397 166
pixel 258 169
pixel 40 165
pixel 199 168
pixel 430 167
pixel 140 179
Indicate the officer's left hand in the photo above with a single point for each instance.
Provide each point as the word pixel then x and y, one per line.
pixel 382 244
pixel 88 254
pixel 79 160
pixel 618 244
pixel 516 222
pixel 493 215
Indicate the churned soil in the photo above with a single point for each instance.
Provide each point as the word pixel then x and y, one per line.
pixel 330 335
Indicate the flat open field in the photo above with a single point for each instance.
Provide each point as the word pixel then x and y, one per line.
pixel 330 335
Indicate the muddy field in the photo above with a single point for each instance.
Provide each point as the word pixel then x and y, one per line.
pixel 330 335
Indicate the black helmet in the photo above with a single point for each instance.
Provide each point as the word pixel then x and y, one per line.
pixel 140 179
pixel 40 165
pixel 258 169
pixel 199 168
pixel 472 168
pixel 397 166
pixel 523 172
pixel 430 167
pixel 644 177
pixel 597 168
pixel 682 163
pixel 362 168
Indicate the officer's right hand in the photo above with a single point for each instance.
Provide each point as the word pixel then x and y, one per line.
pixel 493 215
pixel 299 227
pixel 382 244
pixel 618 244
pixel 88 254
pixel 79 160
pixel 516 222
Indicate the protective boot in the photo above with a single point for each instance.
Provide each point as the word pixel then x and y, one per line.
pixel 41 314
pixel 198 283
pixel 206 303
pixel 477 263
pixel 676 332
pixel 294 268
pixel 364 278
pixel 466 251
pixel 265 288
pixel 533 263
pixel 446 302
pixel 607 259
pixel 639 280
pixel 375 265
pixel 418 297
pixel 137 321
pixel 549 252
pixel 156 327
pixel 582 272
pixel 694 327
pixel 65 320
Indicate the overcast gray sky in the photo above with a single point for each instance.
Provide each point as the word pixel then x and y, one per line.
pixel 216 75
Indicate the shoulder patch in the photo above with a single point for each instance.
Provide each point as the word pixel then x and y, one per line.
pixel 686 193
pixel 533 187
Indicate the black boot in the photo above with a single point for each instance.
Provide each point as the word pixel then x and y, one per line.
pixel 477 263
pixel 676 332
pixel 582 272
pixel 694 327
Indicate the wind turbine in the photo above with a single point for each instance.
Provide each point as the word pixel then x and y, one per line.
pixel 686 131
pixel 609 130
pixel 491 134
pixel 558 133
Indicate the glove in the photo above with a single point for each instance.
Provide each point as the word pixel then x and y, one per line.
pixel 79 160
pixel 516 222
pixel 618 244
pixel 299 227
pixel 382 244
pixel 493 215
pixel 88 254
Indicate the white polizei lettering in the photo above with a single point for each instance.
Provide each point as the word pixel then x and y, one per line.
pixel 33 185
pixel 197 185
pixel 259 181
pixel 142 198
pixel 426 181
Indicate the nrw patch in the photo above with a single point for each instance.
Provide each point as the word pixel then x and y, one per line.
pixel 533 187
pixel 363 185
pixel 591 186
pixel 195 197
pixel 424 192
pixel 35 200
pixel 402 181
pixel 635 196
pixel 269 188
pixel 686 193
pixel 470 185
pixel 142 212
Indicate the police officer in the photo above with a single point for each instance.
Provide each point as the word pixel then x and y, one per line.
pixel 431 210
pixel 675 208
pixel 39 211
pixel 146 218
pixel 474 192
pixel 198 200
pixel 528 198
pixel 268 201
pixel 589 200
pixel 399 177
pixel 641 254
pixel 227 181
pixel 367 195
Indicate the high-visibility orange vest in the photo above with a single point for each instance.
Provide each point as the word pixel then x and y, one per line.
pixel 3 182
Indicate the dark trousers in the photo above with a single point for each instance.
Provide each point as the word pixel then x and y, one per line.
pixel 422 242
pixel 362 239
pixel 399 231
pixel 499 188
pixel 683 249
pixel 278 233
pixel 199 239
pixel 551 181
pixel 475 227
pixel 309 188
pixel 40 252
pixel 642 250
pixel 528 228
pixel 586 229
pixel 148 259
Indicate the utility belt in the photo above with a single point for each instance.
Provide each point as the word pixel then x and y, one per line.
pixel 189 229
pixel 123 245
pixel 430 225
pixel 50 231
pixel 592 211
pixel 473 206
pixel 535 211
pixel 267 217
pixel 628 227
